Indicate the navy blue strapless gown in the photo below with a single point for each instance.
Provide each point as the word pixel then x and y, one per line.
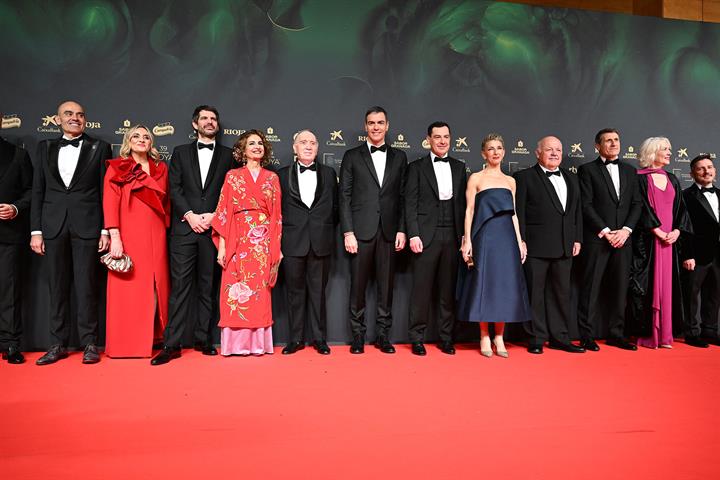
pixel 494 290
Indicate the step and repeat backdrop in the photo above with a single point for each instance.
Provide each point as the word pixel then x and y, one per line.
pixel 281 66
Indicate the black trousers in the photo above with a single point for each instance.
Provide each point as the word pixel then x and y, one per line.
pixel 608 267
pixel 549 290
pixel 305 280
pixel 702 295
pixel 434 270
pixel 194 280
pixel 70 259
pixel 376 255
pixel 10 309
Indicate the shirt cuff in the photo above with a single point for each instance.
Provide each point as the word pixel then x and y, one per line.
pixel 603 232
pixel 36 232
pixel 628 229
pixel 186 214
pixel 17 212
pixel 347 234
pixel 104 232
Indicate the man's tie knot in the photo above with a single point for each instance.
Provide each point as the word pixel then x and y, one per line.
pixel 309 167
pixel 382 148
pixel 209 146
pixel 75 142
pixel 550 174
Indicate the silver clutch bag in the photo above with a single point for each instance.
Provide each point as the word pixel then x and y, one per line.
pixel 121 265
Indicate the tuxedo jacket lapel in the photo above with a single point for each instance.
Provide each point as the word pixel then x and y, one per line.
pixel 213 165
pixel 429 172
pixel 551 190
pixel 195 167
pixel 53 152
pixel 87 154
pixel 294 183
pixel 370 165
pixel 704 202
pixel 319 187
pixel 608 180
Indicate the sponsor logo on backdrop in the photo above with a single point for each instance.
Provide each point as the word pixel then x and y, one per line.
pixel 401 143
pixel 270 135
pixel 49 125
pixel 426 144
pixel 163 129
pixel 520 149
pixel 164 152
pixel 126 124
pixel 235 132
pixel 331 160
pixel 336 139
pixel 630 154
pixel 461 145
pixel 682 156
pixel 712 155
pixel 576 151
pixel 362 138
pixel 11 121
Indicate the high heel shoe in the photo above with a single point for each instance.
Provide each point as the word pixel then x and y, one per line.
pixel 486 353
pixel 501 353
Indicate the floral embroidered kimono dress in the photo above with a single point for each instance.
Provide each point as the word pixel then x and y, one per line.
pixel 248 217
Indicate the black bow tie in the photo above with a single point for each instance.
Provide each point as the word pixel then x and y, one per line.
pixel 708 190
pixel 75 142
pixel 209 146
pixel 441 159
pixel 381 148
pixel 611 162
pixel 309 167
pixel 550 174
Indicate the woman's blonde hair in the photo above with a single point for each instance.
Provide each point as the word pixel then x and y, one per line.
pixel 648 150
pixel 125 148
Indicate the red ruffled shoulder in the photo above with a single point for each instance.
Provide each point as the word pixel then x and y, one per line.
pixel 124 170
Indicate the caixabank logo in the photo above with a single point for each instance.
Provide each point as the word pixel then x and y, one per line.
pixel 576 151
pixel 461 145
pixel 336 139
pixel 48 124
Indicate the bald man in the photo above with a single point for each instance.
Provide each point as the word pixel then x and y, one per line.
pixel 548 211
pixel 309 214
pixel 66 221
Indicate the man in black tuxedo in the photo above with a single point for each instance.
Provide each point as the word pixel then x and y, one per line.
pixel 15 189
pixel 309 216
pixel 611 206
pixel 372 218
pixel 197 172
pixel 434 216
pixel 548 211
pixel 701 251
pixel 66 220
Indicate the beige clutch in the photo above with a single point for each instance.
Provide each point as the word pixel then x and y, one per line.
pixel 121 265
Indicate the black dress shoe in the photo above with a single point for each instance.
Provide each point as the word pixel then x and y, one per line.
pixel 358 345
pixel 56 352
pixel 383 344
pixel 535 349
pixel 90 355
pixel 292 347
pixel 447 348
pixel 165 355
pixel 418 348
pixel 712 340
pixel 589 344
pixel 696 342
pixel 14 356
pixel 621 343
pixel 565 347
pixel 206 349
pixel 321 347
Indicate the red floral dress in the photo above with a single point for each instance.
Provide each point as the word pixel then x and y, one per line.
pixel 248 217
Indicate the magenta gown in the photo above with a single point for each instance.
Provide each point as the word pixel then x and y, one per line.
pixel 662 202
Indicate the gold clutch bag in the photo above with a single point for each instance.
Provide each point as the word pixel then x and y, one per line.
pixel 121 265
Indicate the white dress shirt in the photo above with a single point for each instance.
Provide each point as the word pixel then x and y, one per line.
pixel 307 182
pixel 558 182
pixel 204 158
pixel 443 176
pixel 67 161
pixel 712 199
pixel 379 160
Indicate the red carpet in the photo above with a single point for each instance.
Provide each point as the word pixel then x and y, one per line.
pixel 610 415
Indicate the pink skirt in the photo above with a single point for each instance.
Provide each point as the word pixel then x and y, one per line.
pixel 246 341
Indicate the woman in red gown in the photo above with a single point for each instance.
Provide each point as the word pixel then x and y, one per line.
pixel 137 212
pixel 247 228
